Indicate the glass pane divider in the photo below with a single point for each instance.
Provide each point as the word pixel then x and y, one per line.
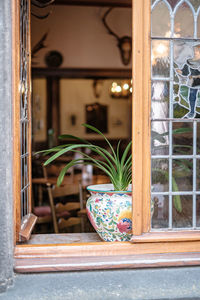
pixel 176 156
pixel 176 120
pixel 176 193
pixel 194 172
pixel 192 39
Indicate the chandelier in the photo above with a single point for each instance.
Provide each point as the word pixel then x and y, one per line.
pixel 122 89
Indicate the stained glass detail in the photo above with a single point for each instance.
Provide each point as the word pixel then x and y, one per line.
pixel 187 70
pixel 24 105
pixel 173 3
pixel 175 116
pixel 184 22
pixel 161 12
pixel 195 4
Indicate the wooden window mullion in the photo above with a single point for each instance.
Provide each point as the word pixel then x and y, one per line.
pixel 141 113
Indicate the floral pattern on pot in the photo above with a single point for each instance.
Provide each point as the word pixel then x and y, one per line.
pixel 110 212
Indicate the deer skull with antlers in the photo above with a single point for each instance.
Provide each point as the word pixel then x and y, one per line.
pixel 124 43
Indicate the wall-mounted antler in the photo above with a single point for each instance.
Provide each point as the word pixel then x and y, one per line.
pixel 42 3
pixel 40 45
pixel 124 43
pixel 40 17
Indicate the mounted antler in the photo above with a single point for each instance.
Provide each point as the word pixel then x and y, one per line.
pixel 42 3
pixel 124 43
pixel 40 17
pixel 40 45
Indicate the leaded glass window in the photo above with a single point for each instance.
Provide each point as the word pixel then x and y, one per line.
pixel 25 121
pixel 175 114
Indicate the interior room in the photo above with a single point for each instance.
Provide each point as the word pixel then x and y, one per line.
pixel 81 73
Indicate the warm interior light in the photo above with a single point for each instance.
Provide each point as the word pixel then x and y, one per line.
pixel 118 89
pixel 122 89
pixel 125 86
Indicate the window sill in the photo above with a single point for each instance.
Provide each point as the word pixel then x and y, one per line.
pixel 93 255
pixel 167 236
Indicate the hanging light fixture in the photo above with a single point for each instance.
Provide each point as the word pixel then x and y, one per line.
pixel 122 89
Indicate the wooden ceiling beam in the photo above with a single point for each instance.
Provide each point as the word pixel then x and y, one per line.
pixel 108 3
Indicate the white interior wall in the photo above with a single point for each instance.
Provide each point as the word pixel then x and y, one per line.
pixel 78 33
pixel 75 94
pixel 39 110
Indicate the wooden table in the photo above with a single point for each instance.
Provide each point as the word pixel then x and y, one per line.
pixel 73 179
pixel 68 180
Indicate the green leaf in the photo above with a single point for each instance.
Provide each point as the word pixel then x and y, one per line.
pixel 176 198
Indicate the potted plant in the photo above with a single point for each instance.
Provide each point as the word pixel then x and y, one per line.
pixel 109 207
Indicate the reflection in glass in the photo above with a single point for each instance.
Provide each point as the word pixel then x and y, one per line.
pixel 182 138
pixel 160 58
pixel 160 175
pixel 160 25
pixel 159 99
pixel 160 208
pixel 182 175
pixel 184 22
pixel 183 218
pixel 159 138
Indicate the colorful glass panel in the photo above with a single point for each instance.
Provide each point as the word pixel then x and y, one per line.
pixel 173 3
pixel 175 115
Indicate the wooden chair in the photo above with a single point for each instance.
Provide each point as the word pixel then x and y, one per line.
pixel 59 214
pixel 53 170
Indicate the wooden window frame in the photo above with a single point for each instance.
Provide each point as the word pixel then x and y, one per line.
pixel 146 249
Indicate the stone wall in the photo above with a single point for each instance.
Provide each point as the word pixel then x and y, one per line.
pixel 6 197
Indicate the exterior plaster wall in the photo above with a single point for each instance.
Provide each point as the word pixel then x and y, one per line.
pixel 6 197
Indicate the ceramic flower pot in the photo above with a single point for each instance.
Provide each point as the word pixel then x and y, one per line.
pixel 110 212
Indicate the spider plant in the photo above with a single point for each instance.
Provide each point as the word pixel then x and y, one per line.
pixel 117 168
